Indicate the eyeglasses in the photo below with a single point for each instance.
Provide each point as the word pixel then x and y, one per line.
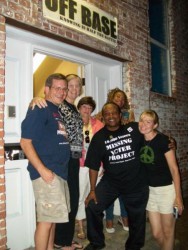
pixel 87 139
pixel 60 89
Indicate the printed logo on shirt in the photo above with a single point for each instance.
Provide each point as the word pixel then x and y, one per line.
pixel 61 130
pixel 130 129
pixel 147 155
pixel 56 115
pixel 120 149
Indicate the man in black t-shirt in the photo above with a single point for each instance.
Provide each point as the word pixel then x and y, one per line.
pixel 117 146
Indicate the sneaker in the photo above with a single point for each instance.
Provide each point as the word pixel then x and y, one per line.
pixel 94 247
pixel 110 227
pixel 125 227
pixel 110 230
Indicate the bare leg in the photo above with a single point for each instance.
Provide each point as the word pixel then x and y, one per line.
pixel 163 226
pixel 81 233
pixel 168 224
pixel 156 227
pixel 42 235
pixel 110 226
pixel 125 223
pixel 51 238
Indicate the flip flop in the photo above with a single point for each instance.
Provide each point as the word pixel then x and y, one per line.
pixel 57 247
pixel 77 245
pixel 60 247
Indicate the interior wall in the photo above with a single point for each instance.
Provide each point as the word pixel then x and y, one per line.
pixel 49 66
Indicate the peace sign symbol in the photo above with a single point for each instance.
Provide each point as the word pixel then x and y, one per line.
pixel 146 154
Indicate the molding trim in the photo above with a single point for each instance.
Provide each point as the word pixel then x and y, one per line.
pixel 35 30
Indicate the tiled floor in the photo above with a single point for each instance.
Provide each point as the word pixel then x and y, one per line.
pixel 117 240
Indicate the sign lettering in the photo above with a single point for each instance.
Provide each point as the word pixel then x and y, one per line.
pixel 83 17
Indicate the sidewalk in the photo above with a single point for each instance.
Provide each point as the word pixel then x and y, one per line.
pixel 116 241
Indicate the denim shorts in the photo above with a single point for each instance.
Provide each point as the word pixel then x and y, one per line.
pixel 52 200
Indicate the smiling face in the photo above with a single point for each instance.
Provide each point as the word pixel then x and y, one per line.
pixel 57 92
pixel 119 99
pixel 112 116
pixel 148 123
pixel 85 110
pixel 74 89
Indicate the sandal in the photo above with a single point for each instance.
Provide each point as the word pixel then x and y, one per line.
pixel 61 247
pixel 57 247
pixel 81 234
pixel 77 245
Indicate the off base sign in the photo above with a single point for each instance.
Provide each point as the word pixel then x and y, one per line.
pixel 83 17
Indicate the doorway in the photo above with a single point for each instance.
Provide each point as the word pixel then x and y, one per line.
pixel 45 65
pixel 100 73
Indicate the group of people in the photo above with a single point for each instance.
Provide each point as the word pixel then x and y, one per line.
pixel 64 144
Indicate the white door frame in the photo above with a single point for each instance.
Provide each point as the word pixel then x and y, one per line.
pixel 97 83
pixel 71 53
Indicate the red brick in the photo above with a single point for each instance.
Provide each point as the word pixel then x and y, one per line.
pixel 133 45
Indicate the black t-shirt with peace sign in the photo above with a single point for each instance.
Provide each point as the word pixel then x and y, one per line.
pixel 152 157
pixel 119 151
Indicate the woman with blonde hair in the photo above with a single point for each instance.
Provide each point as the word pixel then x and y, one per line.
pixel 163 179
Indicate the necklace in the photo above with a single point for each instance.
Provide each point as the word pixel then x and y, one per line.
pixel 87 132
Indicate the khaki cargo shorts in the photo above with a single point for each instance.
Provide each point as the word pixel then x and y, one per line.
pixel 52 200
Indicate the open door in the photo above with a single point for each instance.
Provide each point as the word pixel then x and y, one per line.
pixel 101 74
pixel 20 220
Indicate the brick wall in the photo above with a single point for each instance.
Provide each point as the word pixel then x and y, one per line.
pixel 133 45
pixel 179 119
pixel 2 170
pixel 173 112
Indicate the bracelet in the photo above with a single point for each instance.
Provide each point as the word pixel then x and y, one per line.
pixel 92 190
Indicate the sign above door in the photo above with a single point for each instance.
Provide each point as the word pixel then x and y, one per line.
pixel 83 17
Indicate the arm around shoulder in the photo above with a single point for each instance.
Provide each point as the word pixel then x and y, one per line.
pixel 39 101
